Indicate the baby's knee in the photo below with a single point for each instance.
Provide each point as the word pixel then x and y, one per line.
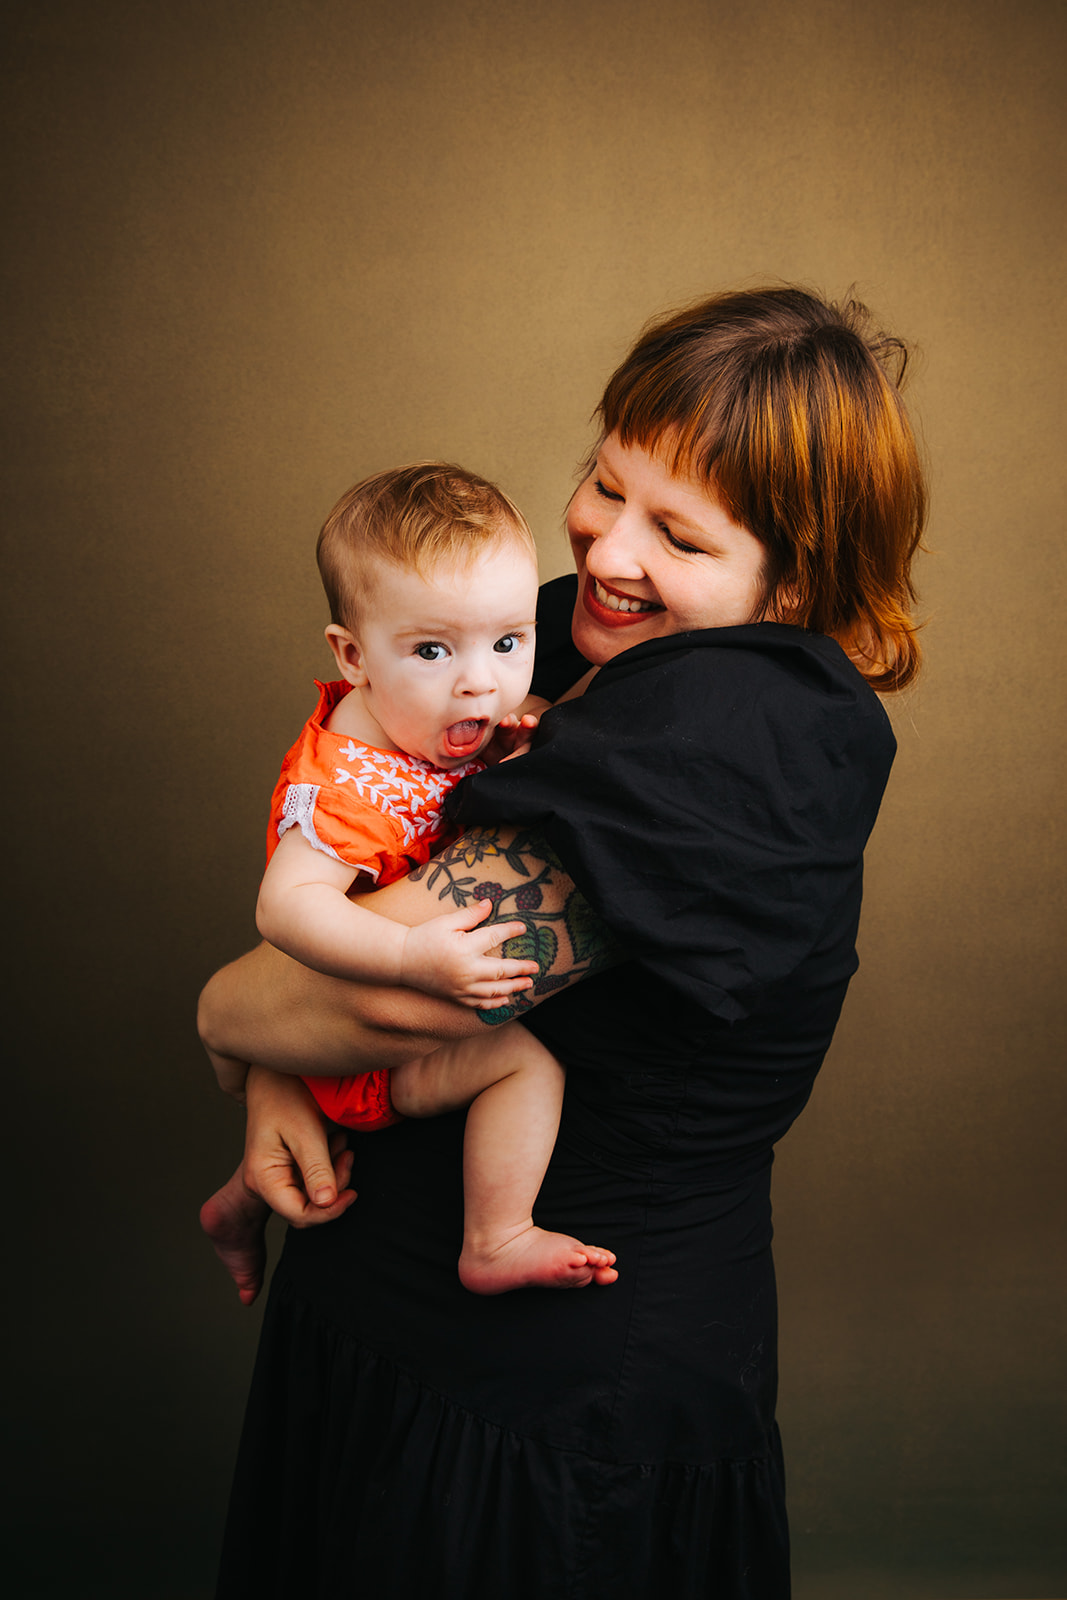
pixel 412 1090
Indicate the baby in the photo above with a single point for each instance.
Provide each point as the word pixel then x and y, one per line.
pixel 431 575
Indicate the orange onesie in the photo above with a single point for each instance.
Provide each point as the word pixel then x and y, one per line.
pixel 380 811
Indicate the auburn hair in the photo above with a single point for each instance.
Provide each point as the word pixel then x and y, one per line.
pixel 412 517
pixel 789 408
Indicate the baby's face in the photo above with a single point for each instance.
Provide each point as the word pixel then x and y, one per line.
pixel 448 652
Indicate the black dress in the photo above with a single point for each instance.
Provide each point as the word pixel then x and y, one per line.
pixel 406 1440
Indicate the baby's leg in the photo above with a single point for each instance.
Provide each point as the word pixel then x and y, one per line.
pixel 235 1220
pixel 514 1087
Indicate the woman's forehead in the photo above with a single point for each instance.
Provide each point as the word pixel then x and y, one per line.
pixel 666 454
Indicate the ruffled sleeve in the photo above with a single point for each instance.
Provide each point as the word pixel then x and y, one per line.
pixel 711 795
pixel 339 824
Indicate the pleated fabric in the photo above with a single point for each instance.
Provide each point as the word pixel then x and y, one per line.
pixel 370 1484
pixel 406 1438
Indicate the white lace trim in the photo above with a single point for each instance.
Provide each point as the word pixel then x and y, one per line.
pixel 298 811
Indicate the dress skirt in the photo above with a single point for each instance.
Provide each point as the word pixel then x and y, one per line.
pixel 408 1440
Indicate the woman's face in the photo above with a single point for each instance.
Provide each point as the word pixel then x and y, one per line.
pixel 656 555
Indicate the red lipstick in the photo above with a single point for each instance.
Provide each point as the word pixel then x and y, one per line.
pixel 603 614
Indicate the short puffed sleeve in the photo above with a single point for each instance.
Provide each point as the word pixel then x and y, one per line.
pixel 380 811
pixel 336 822
pixel 711 794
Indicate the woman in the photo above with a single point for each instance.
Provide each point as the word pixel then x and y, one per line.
pixel 686 837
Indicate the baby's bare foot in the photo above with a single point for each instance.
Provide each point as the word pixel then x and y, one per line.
pixel 236 1221
pixel 533 1259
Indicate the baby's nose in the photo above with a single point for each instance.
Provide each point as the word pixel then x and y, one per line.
pixel 477 679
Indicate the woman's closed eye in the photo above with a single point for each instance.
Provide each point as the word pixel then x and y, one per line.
pixel 675 543
pixel 431 650
pixel 605 493
pixel 680 544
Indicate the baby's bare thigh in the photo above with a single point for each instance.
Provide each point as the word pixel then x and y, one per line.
pixel 453 1075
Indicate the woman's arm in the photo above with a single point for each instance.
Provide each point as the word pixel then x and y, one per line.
pixel 269 1009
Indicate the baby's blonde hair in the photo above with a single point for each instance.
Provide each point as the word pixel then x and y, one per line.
pixel 410 517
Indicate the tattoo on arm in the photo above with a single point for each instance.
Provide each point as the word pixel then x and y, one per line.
pixel 563 934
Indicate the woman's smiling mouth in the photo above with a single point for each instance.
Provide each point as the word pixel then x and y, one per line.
pixel 612 607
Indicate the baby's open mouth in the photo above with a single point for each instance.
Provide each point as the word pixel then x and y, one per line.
pixel 463 738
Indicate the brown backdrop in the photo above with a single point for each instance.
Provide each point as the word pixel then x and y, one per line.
pixel 261 249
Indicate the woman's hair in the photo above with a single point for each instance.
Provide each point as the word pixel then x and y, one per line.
pixel 789 408
pixel 411 517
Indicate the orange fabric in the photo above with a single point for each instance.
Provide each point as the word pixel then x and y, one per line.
pixel 363 1102
pixel 380 811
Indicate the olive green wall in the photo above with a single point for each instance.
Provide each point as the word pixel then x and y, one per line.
pixel 261 249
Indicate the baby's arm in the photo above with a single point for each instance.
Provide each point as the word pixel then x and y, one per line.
pixel 304 910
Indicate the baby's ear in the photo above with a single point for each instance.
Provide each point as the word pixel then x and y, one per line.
pixel 347 654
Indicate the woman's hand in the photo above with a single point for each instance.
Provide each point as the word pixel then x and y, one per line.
pixel 289 1161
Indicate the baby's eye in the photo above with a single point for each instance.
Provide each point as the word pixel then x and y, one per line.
pixel 431 651
pixel 510 642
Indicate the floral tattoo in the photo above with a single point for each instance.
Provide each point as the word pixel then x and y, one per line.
pixel 589 946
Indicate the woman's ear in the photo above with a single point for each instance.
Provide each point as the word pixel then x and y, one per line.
pixel 787 604
pixel 347 654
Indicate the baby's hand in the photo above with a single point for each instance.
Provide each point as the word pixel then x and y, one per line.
pixel 511 737
pixel 514 732
pixel 450 956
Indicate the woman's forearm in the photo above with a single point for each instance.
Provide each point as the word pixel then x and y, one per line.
pixel 269 1009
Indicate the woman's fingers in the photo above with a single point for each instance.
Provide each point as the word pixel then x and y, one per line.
pixel 314 1163
pixel 289 1159
pixel 281 1184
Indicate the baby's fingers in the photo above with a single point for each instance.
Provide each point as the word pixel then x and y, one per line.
pixel 487 938
pixel 493 1002
pixel 490 968
pixel 467 918
pixel 501 983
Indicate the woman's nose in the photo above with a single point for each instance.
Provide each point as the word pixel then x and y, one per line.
pixel 615 547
